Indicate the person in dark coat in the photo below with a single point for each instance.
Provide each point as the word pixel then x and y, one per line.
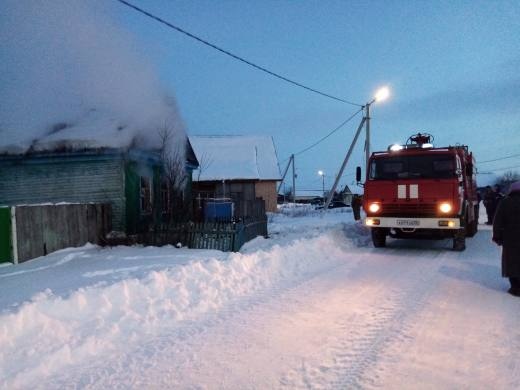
pixel 356 206
pixel 491 199
pixel 506 232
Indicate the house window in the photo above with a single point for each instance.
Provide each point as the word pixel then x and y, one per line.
pixel 145 195
pixel 165 197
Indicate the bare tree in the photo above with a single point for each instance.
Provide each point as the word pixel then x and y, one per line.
pixel 507 179
pixel 173 161
pixel 205 161
pixel 174 177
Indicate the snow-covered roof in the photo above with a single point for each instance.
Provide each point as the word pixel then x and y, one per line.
pixel 92 130
pixel 235 157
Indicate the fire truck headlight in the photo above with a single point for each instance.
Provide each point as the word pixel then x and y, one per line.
pixel 445 207
pixel 374 207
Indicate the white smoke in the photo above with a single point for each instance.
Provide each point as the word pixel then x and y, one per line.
pixel 70 72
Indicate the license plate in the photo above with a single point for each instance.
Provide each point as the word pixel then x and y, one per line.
pixel 408 222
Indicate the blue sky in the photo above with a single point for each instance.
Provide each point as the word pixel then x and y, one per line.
pixel 452 67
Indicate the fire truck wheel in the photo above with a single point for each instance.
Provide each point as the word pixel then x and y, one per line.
pixel 472 227
pixel 475 221
pixel 378 238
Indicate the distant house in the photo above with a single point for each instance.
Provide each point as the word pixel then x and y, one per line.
pixel 131 180
pixel 243 168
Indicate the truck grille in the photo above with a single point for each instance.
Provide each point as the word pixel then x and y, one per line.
pixel 409 210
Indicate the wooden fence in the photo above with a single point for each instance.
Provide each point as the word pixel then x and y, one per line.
pixel 250 209
pixel 225 236
pixel 41 229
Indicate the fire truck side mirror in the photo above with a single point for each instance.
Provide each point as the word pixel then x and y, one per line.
pixel 358 174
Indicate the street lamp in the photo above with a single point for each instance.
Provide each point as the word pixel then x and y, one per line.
pixel 322 174
pixel 381 95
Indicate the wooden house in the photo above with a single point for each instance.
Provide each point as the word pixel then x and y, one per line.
pixel 242 168
pixel 130 180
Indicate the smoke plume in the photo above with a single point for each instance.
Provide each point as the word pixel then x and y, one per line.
pixel 69 72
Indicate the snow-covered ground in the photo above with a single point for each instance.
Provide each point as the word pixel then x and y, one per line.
pixel 315 306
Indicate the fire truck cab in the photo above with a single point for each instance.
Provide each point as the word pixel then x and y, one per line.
pixel 417 190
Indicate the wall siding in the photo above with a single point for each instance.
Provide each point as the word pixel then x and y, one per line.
pixel 267 191
pixel 243 190
pixel 34 181
pixel 136 221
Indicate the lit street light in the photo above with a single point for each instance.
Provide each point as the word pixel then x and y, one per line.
pixel 322 174
pixel 381 95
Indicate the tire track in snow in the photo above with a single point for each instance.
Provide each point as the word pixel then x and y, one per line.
pixel 346 362
pixel 475 355
pixel 185 357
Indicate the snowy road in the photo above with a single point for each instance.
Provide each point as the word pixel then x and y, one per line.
pixel 413 315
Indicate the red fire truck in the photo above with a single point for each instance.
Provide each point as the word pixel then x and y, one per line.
pixel 417 190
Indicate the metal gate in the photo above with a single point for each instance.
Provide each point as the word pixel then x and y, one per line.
pixel 6 253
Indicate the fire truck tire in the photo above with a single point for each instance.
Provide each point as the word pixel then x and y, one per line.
pixel 378 238
pixel 472 227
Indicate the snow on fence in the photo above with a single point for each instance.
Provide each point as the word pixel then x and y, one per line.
pixel 41 229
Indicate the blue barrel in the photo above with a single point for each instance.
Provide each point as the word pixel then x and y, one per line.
pixel 218 210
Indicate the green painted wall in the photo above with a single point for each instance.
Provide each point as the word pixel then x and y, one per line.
pixel 136 221
pixel 85 177
pixel 98 178
pixel 5 235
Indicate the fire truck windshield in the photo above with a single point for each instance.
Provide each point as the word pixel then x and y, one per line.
pixel 412 167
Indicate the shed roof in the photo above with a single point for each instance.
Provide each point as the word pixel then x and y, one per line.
pixel 236 157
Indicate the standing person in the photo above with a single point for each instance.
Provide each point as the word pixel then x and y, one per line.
pixel 498 195
pixel 491 199
pixel 356 206
pixel 506 232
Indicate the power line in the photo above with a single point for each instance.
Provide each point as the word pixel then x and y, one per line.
pixel 505 169
pixel 332 132
pixel 236 57
pixel 497 169
pixel 499 159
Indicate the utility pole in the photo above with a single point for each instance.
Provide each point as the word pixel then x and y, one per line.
pixel 285 172
pixel 367 145
pixel 381 95
pixel 293 191
pixel 293 180
pixel 338 177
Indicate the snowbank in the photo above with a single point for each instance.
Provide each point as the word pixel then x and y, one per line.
pixel 52 331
